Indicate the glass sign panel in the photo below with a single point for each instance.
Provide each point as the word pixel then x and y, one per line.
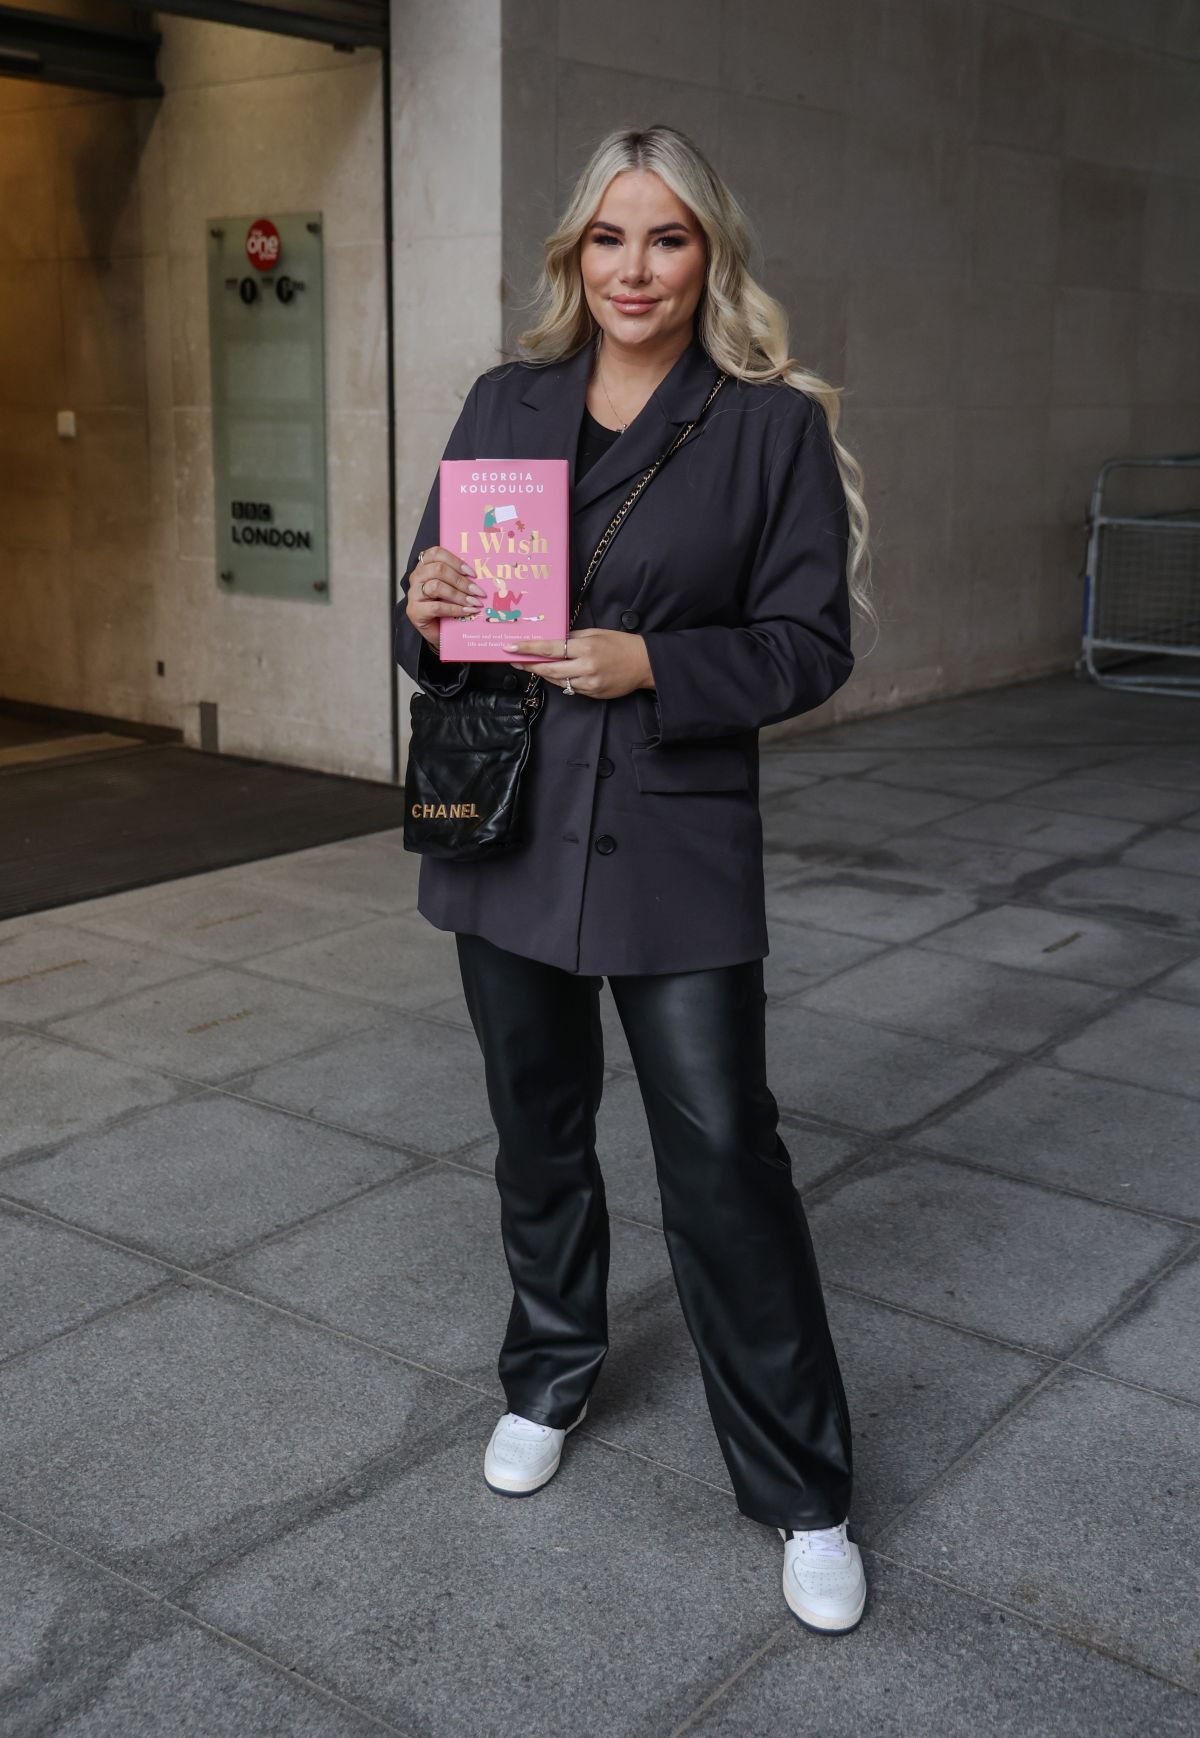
pixel 266 321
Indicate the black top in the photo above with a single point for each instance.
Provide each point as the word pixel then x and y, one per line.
pixel 594 439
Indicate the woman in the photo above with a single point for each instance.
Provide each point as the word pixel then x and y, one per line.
pixel 723 605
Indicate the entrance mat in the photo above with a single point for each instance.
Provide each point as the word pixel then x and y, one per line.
pixel 80 828
pixel 62 748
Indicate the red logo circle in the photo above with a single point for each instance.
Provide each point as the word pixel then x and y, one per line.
pixel 263 246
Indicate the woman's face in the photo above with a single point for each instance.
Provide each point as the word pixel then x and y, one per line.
pixel 643 260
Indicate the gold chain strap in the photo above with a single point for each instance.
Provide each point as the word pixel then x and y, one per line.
pixel 615 526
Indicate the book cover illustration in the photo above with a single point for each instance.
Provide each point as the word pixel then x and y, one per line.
pixel 508 519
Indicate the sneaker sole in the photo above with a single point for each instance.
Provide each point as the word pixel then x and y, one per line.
pixel 808 1620
pixel 815 1628
pixel 527 1488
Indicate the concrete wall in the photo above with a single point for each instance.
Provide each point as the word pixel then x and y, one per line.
pixel 107 542
pixel 984 220
pixel 447 208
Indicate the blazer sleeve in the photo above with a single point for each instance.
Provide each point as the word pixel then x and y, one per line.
pixel 792 650
pixel 413 652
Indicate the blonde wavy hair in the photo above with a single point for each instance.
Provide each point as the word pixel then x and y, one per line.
pixel 744 329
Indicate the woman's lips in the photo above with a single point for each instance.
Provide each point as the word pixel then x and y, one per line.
pixel 632 306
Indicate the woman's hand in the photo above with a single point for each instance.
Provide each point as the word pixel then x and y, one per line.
pixel 600 662
pixel 440 585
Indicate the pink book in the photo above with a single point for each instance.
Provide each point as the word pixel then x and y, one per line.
pixel 508 518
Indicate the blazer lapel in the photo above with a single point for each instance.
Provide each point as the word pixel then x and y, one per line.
pixel 558 392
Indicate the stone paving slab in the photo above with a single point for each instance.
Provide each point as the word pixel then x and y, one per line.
pixel 195 1180
pixel 1183 984
pixel 824 762
pixel 1091 794
pixel 219 918
pixel 52 1280
pixel 84 1655
pixel 419 1268
pixel 1129 894
pixel 402 962
pixel 13 926
pixel 1064 835
pixel 802 954
pixel 1055 712
pixel 919 1393
pixel 87 913
pixel 981 778
pixel 928 1661
pixel 1020 750
pixel 861 1076
pixel 778 773
pixel 187 1427
pixel 1105 1139
pixel 984 1252
pixel 401 1081
pixel 1173 849
pixel 420 1593
pixel 944 996
pixel 452 1011
pixel 393 838
pixel 1117 955
pixel 812 841
pixel 1148 1041
pixel 48 971
pixel 877 910
pixel 53 1090
pixel 958 865
pixel 368 875
pixel 1070 1512
pixel 887 808
pixel 214 1024
pixel 1146 1346
pixel 1177 767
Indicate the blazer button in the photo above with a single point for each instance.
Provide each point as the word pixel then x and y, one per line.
pixel 604 766
pixel 630 619
pixel 606 844
pixel 512 680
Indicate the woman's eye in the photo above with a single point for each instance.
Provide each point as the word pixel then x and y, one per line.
pixel 670 242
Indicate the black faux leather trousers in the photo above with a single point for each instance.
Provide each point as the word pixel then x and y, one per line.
pixel 736 1234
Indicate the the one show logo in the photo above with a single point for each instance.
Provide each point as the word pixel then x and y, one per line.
pixel 263 246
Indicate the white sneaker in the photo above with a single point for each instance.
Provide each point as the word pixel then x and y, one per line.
pixel 823 1578
pixel 522 1455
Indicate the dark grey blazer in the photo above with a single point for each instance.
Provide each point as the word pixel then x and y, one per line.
pixel 644 848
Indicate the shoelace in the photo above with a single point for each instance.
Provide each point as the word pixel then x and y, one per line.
pixel 526 1426
pixel 824 1541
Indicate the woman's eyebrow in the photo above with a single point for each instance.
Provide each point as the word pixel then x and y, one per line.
pixel 659 228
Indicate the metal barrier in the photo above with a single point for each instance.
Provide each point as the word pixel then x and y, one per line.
pixel 1142 584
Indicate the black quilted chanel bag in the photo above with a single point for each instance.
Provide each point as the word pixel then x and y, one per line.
pixel 467 750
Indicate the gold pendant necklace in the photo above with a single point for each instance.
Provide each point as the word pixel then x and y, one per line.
pixel 604 389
